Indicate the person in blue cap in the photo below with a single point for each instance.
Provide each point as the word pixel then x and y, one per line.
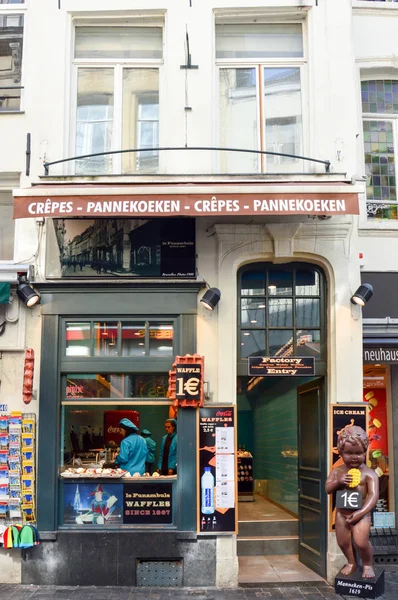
pixel 150 459
pixel 133 449
pixel 167 464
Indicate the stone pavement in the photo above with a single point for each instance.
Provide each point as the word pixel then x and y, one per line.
pixel 320 591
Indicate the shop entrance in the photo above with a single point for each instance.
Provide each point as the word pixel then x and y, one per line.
pixel 281 427
pixel 281 473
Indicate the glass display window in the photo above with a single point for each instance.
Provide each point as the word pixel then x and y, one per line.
pixel 91 435
pixel 105 386
pixel 376 395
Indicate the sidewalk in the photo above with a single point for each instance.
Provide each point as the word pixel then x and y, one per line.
pixel 294 592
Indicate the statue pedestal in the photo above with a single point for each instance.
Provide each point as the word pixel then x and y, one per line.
pixel 354 586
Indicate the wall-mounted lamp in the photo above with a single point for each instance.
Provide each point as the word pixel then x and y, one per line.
pixel 211 298
pixel 20 274
pixel 26 293
pixel 362 295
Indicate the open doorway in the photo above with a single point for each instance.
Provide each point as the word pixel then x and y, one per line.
pixel 281 315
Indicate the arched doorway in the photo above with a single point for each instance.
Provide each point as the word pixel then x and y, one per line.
pixel 281 465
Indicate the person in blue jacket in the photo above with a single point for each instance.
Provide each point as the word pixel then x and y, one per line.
pixel 133 449
pixel 167 464
pixel 150 459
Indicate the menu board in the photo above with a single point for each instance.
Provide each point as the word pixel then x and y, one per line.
pixel 217 510
pixel 343 415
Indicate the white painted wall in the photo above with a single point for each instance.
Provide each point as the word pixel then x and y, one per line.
pixel 375 38
pixel 335 38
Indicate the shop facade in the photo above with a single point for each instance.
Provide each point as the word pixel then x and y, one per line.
pixel 117 339
pixel 380 388
pixel 162 509
pixel 122 247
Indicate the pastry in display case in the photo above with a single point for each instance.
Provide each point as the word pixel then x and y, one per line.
pixel 245 475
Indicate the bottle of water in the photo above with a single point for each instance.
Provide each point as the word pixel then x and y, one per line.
pixel 207 486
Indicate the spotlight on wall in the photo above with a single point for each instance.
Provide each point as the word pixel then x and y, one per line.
pixel 362 295
pixel 211 298
pixel 26 293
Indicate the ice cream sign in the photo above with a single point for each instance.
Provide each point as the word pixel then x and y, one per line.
pixel 276 366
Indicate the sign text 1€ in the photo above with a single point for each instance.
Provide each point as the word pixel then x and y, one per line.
pixel 188 381
pixel 349 500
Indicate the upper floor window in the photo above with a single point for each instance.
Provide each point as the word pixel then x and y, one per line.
pixel 260 81
pixel 380 132
pixel 117 97
pixel 6 226
pixel 11 46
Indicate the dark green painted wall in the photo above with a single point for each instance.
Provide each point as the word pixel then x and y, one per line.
pixel 275 436
pixel 245 430
pixel 111 301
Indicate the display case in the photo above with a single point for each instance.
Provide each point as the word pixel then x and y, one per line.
pixel 245 476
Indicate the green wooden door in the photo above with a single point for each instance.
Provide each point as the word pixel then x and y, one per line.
pixel 312 475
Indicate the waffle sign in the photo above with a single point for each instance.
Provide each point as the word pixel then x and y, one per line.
pixel 188 382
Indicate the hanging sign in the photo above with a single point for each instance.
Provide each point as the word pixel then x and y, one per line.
pixel 186 381
pixel 276 366
pixel 217 509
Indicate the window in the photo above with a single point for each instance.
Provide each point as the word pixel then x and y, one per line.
pixel 380 133
pixel 117 97
pixel 6 226
pixel 280 312
pixel 11 48
pixel 113 369
pixel 260 97
pixel 139 339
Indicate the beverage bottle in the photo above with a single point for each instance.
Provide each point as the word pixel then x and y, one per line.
pixel 207 487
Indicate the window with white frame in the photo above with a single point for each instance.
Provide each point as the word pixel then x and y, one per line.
pixel 11 47
pixel 117 71
pixel 260 81
pixel 7 225
pixel 380 133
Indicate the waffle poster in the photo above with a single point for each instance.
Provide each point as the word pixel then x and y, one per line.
pixel 343 415
pixel 217 493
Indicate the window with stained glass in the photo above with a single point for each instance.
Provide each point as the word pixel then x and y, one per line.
pixel 280 311
pixel 380 123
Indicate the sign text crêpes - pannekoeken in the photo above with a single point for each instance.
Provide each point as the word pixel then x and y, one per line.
pixel 169 205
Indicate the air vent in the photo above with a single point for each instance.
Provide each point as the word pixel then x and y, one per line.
pixel 159 573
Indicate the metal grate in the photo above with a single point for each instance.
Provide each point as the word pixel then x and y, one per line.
pixel 385 545
pixel 159 573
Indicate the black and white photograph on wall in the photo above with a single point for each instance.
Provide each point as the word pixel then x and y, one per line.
pixel 83 248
